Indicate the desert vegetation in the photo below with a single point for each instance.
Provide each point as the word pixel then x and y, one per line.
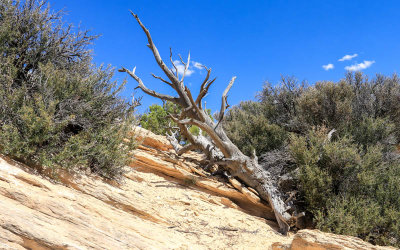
pixel 342 137
pixel 57 109
pixel 325 152
pixel 335 141
pixel 341 140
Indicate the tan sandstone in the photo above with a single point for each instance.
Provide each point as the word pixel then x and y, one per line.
pixel 162 202
pixel 317 240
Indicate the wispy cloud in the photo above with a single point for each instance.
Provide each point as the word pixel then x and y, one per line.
pixel 197 65
pixel 359 66
pixel 347 57
pixel 181 68
pixel 328 66
pixel 193 67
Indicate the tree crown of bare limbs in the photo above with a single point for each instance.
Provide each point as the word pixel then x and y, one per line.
pixel 192 107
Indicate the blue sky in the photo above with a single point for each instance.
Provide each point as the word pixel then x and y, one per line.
pixel 253 40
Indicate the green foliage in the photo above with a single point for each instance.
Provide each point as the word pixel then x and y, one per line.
pixel 248 128
pixel 356 216
pixel 57 110
pixel 281 103
pixel 370 131
pixel 326 103
pixel 348 189
pixel 156 119
pixel 349 183
pixel 354 106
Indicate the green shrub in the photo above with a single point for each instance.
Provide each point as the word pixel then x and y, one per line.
pixel 326 103
pixel 353 216
pixel 349 183
pixel 248 128
pixel 372 131
pixel 56 108
pixel 281 103
pixel 349 190
pixel 157 120
pixel 355 106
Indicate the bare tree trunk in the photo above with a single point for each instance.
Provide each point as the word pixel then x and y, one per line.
pixel 244 168
pixel 217 146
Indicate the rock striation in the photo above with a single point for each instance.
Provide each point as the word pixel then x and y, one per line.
pixel 163 201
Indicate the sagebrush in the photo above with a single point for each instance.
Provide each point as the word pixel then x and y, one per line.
pixel 57 109
pixel 342 136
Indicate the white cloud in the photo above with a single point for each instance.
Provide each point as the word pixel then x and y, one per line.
pixel 347 57
pixel 181 68
pixel 197 65
pixel 328 66
pixel 359 66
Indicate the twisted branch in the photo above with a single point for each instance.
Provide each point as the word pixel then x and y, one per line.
pixel 147 90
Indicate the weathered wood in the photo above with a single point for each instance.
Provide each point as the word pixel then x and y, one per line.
pixel 217 146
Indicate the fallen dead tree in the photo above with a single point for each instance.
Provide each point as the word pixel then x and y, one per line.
pixel 217 146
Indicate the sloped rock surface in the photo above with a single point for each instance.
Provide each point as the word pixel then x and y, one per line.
pixel 162 202
pixel 317 240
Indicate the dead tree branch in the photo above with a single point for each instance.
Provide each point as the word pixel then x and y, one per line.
pixel 172 62
pixel 147 90
pixel 224 101
pixel 217 146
